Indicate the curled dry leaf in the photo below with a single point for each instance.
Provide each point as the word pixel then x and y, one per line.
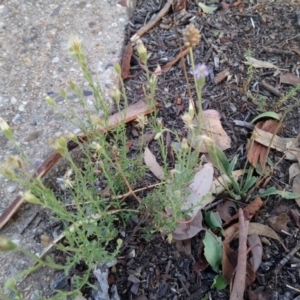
pixel 255 63
pixel 285 145
pixel 279 223
pixel 257 152
pixel 226 210
pixel 290 78
pixel 214 130
pixel 222 75
pixel 296 187
pixel 188 229
pixel 294 170
pixel 179 5
pixel 152 163
pixel 251 209
pixel 254 243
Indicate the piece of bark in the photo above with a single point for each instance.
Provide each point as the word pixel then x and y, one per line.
pixel 271 89
pixel 125 61
pixel 222 75
pixel 239 282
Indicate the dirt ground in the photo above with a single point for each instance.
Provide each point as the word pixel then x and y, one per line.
pixel 227 36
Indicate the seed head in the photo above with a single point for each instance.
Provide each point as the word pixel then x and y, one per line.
pixel 6 244
pixel 191 35
pixel 30 198
pixel 188 121
pixel 7 131
pixel 142 51
pixel 14 162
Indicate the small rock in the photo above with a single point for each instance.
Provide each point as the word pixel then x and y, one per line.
pixel 33 135
pixel 11 188
pixel 21 107
pixel 55 59
pixel 87 93
pixel 13 100
pixel 16 119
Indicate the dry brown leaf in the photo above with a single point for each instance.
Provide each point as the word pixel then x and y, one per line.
pixel 214 130
pixel 285 145
pixel 251 209
pixel 188 229
pixel 222 75
pixel 296 187
pixel 279 222
pixel 254 243
pixel 184 246
pixel 254 228
pixel 201 263
pixel 152 163
pixel 255 63
pixel 125 61
pixel 296 217
pixel 257 152
pixel 229 263
pixel 290 78
pixel 294 170
pixel 226 210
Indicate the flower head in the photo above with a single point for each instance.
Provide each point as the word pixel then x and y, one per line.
pixel 7 131
pixel 188 121
pixel 191 36
pixel 201 71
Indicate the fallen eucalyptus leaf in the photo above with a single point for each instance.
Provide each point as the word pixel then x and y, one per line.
pixel 207 9
pixel 152 163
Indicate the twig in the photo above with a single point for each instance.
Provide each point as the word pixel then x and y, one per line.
pixel 277 51
pixel 181 54
pixel 152 22
pixel 239 283
pixel 271 89
pixel 130 191
pixel 286 259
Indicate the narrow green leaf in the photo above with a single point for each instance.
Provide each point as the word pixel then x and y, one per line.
pixel 268 192
pixel 268 114
pixel 248 184
pixel 219 283
pixel 207 9
pixel 218 158
pixel 212 249
pixel 232 165
pixel 288 195
pixel 213 221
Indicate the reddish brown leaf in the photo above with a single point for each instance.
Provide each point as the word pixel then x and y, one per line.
pixel 257 152
pixel 179 5
pixel 290 78
pixel 251 209
pixel 201 263
pixel 125 62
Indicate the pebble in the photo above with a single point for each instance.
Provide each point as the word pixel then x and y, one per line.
pixel 21 107
pixel 87 93
pixel 16 119
pixel 13 100
pixel 11 188
pixel 55 59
